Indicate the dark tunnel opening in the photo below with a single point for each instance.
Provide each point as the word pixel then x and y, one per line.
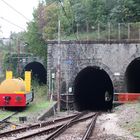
pixel 132 76
pixel 39 73
pixel 93 90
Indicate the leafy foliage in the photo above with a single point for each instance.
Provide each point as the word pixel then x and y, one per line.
pixel 73 14
pixel 11 62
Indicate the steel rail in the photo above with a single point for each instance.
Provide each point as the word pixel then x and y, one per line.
pixel 5 119
pixel 38 133
pixel 64 127
pixel 4 122
pixel 90 127
pixel 55 130
pixel 35 126
pixel 46 130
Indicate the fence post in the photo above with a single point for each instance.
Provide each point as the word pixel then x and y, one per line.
pixel 119 31
pixel 77 31
pixel 139 33
pixel 49 84
pixel 109 30
pixel 98 31
pixel 87 26
pixel 128 31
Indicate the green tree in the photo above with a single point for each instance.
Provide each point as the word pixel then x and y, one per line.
pixel 35 41
pixel 44 25
pixel 51 21
pixel 126 11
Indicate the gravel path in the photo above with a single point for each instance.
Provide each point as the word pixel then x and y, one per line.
pixel 111 126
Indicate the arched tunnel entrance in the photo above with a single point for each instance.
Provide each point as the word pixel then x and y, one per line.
pixel 132 76
pixel 93 89
pixel 38 71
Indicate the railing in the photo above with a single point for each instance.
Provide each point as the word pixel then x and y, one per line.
pixel 102 32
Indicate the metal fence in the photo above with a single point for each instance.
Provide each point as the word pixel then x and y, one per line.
pixel 103 32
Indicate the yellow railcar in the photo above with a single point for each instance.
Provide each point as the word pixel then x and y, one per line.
pixel 16 92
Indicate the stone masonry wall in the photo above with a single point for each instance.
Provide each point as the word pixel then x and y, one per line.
pixel 67 59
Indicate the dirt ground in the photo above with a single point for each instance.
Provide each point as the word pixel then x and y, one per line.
pixel 122 124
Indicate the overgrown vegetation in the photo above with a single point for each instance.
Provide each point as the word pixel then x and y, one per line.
pixel 41 92
pixel 73 13
pixel 134 125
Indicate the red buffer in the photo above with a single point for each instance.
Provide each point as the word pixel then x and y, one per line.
pixel 126 97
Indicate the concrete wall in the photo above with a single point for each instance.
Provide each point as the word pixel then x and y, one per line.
pixel 71 57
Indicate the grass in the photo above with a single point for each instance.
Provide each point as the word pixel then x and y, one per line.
pixel 134 127
pixel 93 35
pixel 137 134
pixel 32 110
pixel 4 114
pixel 81 36
pixel 136 131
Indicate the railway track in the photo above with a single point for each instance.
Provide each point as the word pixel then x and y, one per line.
pixel 27 130
pixel 53 129
pixel 90 128
pixel 4 122
pixel 79 130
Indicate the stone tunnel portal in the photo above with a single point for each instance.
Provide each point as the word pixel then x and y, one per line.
pixel 38 72
pixel 93 89
pixel 132 76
